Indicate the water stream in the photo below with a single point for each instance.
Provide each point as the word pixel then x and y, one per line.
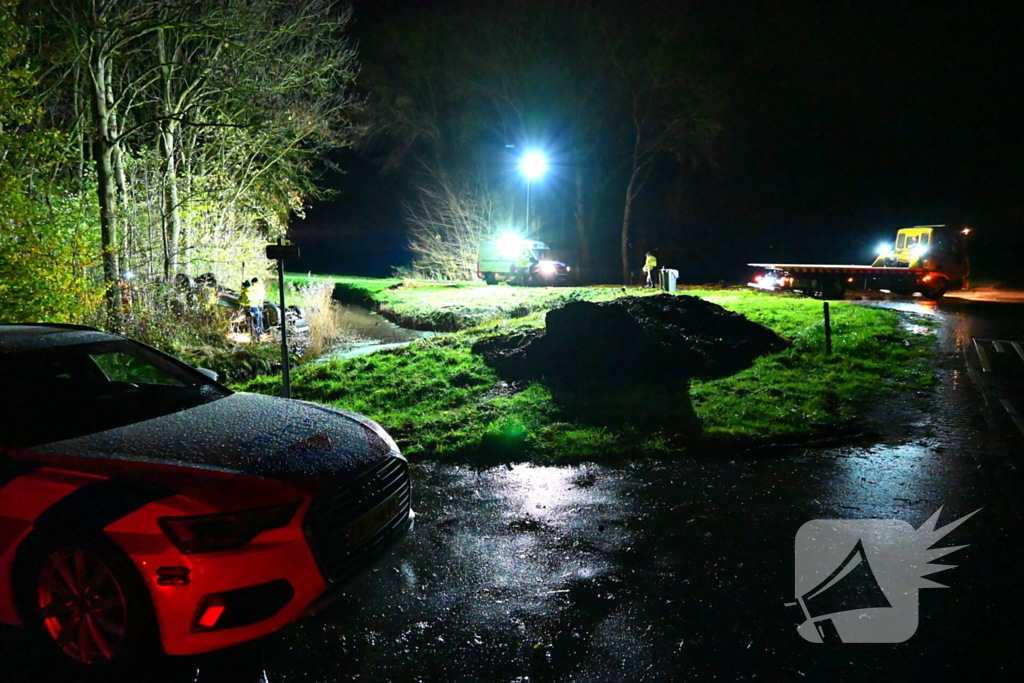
pixel 370 332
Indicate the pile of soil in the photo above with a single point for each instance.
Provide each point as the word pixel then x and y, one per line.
pixel 637 342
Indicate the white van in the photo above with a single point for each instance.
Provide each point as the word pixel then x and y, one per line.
pixel 496 262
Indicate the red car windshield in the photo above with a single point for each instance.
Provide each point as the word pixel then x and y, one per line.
pixel 64 392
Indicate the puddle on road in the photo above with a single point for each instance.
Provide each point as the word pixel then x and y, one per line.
pixel 989 294
pixel 521 537
pixel 545 492
pixel 888 482
pixel 921 307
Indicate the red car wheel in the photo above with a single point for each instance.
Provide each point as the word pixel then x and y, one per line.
pixel 90 601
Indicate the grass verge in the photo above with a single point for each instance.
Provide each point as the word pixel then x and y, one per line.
pixel 453 306
pixel 441 401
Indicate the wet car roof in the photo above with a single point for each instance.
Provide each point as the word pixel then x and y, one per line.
pixel 19 338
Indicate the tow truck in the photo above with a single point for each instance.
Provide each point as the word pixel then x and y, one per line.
pixel 925 259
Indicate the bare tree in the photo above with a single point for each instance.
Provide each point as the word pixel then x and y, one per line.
pixel 447 222
pixel 614 94
pixel 656 130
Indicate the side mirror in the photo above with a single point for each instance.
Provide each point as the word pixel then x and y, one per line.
pixel 209 373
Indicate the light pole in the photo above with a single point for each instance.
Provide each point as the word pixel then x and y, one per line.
pixel 533 164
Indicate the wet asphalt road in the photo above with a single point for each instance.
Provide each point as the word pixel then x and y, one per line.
pixel 681 570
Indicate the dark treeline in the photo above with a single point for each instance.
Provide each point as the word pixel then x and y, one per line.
pixel 795 130
pixel 620 101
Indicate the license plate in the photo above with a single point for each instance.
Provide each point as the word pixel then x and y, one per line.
pixel 370 523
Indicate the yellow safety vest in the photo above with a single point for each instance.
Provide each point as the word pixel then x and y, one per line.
pixel 257 294
pixel 651 263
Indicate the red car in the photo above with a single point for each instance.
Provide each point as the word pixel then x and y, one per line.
pixel 143 504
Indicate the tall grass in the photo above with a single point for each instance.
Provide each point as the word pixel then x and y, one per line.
pixel 325 317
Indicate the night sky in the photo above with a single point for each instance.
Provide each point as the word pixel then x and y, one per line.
pixel 844 122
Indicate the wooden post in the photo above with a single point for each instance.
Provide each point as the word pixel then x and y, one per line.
pixel 828 331
pixel 279 252
pixel 285 374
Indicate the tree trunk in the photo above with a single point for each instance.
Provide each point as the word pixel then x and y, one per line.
pixel 171 214
pixel 630 195
pixel 638 175
pixel 121 184
pixel 171 222
pixel 102 149
pixel 581 232
pixel 78 117
pixel 624 237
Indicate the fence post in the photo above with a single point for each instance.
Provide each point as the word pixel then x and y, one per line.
pixel 828 331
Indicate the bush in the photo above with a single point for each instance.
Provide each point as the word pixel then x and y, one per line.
pixel 49 246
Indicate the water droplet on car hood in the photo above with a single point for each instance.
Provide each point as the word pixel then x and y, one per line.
pixel 246 433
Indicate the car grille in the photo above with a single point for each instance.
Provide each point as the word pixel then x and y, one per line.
pixel 348 525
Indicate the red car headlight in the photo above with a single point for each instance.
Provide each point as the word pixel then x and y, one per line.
pixel 223 531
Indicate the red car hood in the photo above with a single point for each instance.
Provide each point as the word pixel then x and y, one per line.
pixel 295 442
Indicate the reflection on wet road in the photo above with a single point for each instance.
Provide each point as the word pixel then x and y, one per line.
pixel 669 571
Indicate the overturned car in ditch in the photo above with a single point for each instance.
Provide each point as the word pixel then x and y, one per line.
pixel 205 288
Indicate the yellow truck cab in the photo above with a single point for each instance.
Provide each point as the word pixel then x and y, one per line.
pixel 939 249
pixel 911 249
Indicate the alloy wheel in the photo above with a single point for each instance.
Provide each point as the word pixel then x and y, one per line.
pixel 82 605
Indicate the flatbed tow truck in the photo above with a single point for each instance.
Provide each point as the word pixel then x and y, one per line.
pixel 926 259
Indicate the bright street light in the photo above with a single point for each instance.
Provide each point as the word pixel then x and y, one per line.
pixel 533 165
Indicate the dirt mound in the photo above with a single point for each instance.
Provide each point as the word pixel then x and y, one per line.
pixel 632 342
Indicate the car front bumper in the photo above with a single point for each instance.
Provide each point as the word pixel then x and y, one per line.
pixel 233 597
pixel 207 601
